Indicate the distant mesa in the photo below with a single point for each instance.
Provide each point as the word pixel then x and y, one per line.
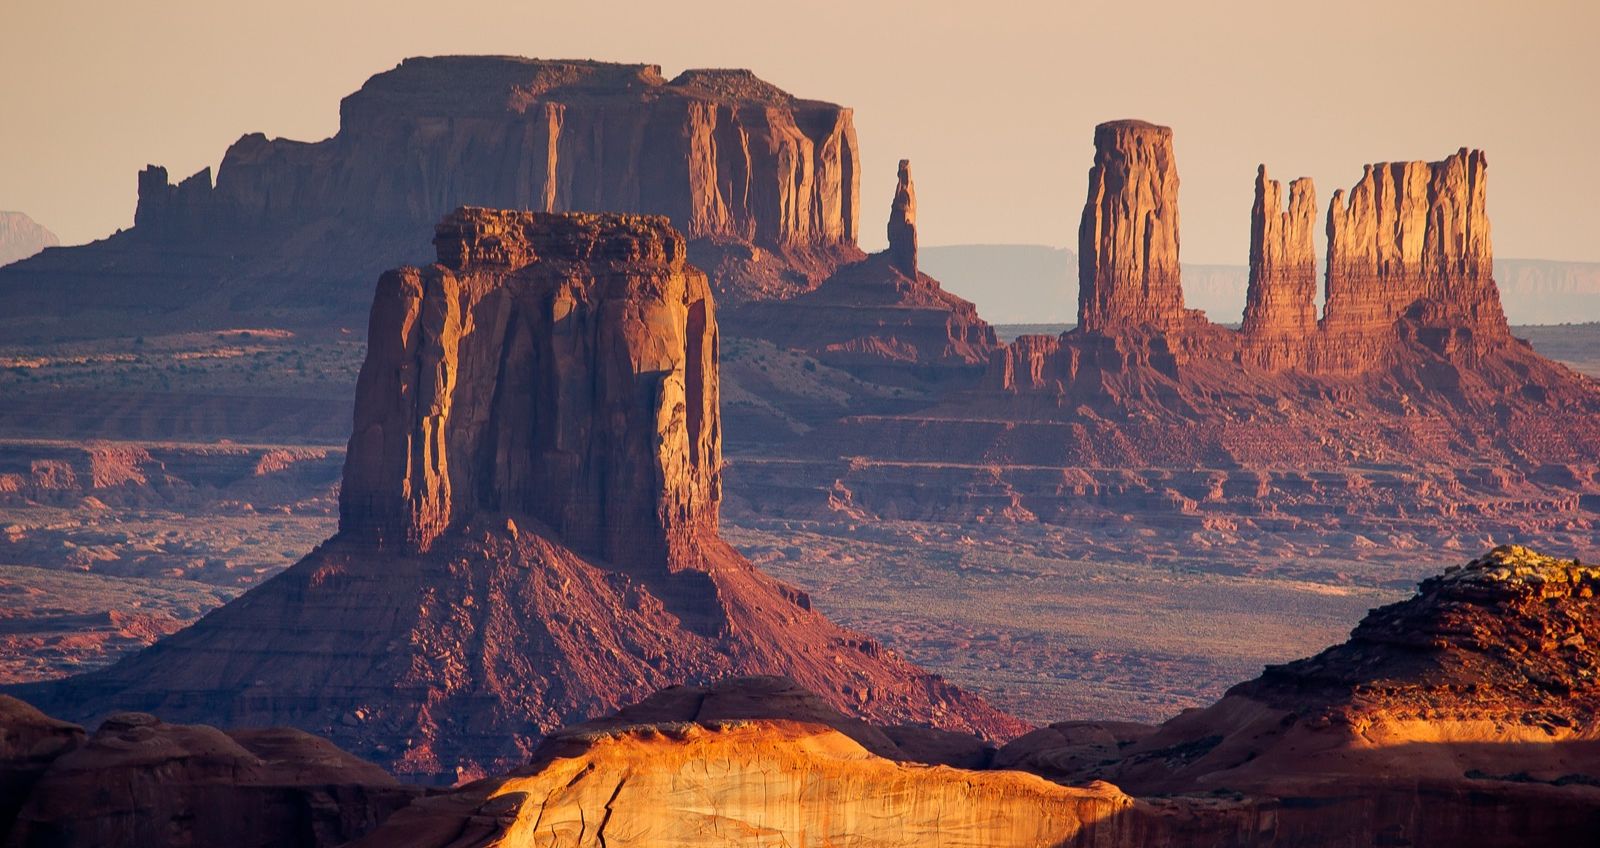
pixel 764 185
pixel 22 237
pixel 528 526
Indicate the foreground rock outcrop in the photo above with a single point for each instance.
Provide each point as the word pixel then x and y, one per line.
pixel 139 781
pixel 528 527
pixel 764 185
pixel 1466 715
pixel 1462 717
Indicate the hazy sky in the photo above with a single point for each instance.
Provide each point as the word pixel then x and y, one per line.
pixel 994 102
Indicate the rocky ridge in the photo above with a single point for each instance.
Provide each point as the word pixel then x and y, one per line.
pixel 528 527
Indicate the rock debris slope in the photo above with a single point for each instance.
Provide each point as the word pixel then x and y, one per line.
pixel 528 526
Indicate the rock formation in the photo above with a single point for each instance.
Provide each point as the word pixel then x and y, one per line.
pixel 903 224
pixel 1128 238
pixel 1280 312
pixel 22 237
pixel 1465 715
pixel 1412 242
pixel 1462 717
pixel 880 319
pixel 139 781
pixel 1405 411
pixel 528 526
pixel 562 368
pixel 763 184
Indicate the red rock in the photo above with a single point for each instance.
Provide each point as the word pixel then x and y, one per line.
pixel 879 318
pixel 903 224
pixel 528 527
pixel 1128 239
pixel 764 184
pixel 1280 313
pixel 139 781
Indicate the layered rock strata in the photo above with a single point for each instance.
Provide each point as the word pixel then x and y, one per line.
pixel 1405 409
pixel 1128 238
pixel 1465 715
pixel 528 527
pixel 880 319
pixel 1461 717
pixel 1280 313
pixel 764 184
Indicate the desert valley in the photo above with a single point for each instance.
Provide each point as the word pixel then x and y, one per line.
pixel 541 459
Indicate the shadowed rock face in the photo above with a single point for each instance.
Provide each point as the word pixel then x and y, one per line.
pixel 1128 238
pixel 139 781
pixel 528 527
pixel 560 367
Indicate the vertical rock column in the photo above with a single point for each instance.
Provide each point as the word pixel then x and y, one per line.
pixel 1280 313
pixel 1128 240
pixel 1411 240
pixel 903 224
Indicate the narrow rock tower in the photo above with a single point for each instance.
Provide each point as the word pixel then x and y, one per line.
pixel 1128 240
pixel 1280 313
pixel 903 224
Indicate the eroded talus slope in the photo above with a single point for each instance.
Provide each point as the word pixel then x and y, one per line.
pixel 527 527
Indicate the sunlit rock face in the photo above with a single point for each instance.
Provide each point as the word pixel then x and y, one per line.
pixel 556 366
pixel 528 527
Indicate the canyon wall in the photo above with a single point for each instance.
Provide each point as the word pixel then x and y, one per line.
pixel 562 367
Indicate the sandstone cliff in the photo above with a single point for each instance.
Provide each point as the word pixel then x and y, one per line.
pixel 879 318
pixel 528 527
pixel 1128 238
pixel 1280 311
pixel 1465 715
pixel 562 368
pixel 763 184
pixel 22 237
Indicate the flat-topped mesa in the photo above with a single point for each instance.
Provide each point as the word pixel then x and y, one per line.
pixel 732 160
pixel 557 366
pixel 1411 239
pixel 903 224
pixel 1128 239
pixel 1280 313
